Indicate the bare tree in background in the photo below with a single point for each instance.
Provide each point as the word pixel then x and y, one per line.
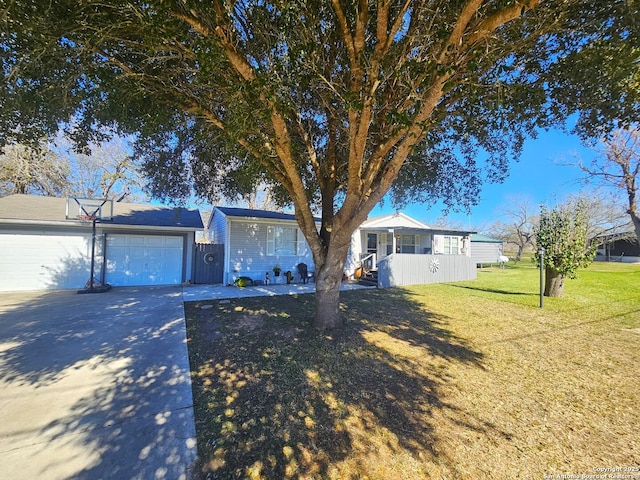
pixel 30 170
pixel 606 213
pixel 618 166
pixel 107 171
pixel 520 218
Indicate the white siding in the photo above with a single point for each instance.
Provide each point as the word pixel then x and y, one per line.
pixel 218 227
pixel 359 245
pixel 485 252
pixel 248 254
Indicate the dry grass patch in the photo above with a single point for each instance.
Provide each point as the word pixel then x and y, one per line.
pixel 443 381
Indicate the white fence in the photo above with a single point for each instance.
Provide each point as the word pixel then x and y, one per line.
pixel 401 269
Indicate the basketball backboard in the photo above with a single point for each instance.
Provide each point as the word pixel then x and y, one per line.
pixel 81 208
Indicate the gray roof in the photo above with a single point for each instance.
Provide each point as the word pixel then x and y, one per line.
pixel 252 213
pixel 484 239
pixel 52 210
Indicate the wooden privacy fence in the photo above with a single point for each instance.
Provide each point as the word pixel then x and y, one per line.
pixel 400 269
pixel 208 263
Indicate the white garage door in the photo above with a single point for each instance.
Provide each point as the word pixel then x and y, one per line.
pixel 44 261
pixel 144 260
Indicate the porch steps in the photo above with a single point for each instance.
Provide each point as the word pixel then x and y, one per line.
pixel 369 279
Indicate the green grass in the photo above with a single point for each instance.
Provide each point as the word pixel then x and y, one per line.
pixel 463 380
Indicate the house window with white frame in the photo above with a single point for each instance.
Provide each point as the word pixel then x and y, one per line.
pixel 451 245
pixel 407 244
pixel 282 240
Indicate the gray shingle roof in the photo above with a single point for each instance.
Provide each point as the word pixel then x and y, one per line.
pixel 53 210
pixel 252 213
pixel 484 239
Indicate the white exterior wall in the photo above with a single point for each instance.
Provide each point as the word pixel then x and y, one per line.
pixel 246 250
pixel 486 252
pixel 39 258
pixel 218 227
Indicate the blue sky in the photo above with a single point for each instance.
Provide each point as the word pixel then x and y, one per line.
pixel 538 176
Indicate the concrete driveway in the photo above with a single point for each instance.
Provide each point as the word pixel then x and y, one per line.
pixel 95 386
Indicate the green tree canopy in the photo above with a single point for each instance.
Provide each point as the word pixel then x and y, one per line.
pixel 599 82
pixel 333 103
pixel 563 233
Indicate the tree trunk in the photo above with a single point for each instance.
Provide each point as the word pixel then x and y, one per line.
pixel 328 280
pixel 636 223
pixel 553 283
pixel 519 253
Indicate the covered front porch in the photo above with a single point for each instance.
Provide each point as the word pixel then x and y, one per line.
pixel 382 237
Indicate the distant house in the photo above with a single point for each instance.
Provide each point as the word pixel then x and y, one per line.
pixel 256 241
pixel 43 245
pixel 485 250
pixel 621 247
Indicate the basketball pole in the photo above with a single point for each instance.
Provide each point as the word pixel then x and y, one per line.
pixel 94 218
pixel 93 251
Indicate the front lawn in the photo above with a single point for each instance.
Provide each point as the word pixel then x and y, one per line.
pixel 464 380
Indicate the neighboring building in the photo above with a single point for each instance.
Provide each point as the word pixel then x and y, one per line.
pixel 256 241
pixel 618 247
pixel 44 246
pixel 485 250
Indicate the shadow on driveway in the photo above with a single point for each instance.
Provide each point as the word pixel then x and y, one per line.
pixel 95 386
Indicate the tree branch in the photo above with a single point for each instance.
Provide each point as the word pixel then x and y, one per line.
pixel 499 18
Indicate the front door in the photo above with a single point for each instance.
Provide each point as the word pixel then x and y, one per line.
pixel 372 248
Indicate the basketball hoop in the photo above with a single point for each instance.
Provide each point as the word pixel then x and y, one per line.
pixel 84 218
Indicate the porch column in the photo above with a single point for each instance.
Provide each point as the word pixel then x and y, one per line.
pixel 393 242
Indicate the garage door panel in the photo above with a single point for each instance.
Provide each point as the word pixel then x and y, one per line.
pixel 144 260
pixel 155 241
pixel 173 242
pixel 44 261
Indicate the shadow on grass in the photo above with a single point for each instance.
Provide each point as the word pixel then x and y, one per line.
pixel 494 290
pixel 275 399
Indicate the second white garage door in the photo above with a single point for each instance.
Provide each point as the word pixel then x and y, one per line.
pixel 144 260
pixel 44 260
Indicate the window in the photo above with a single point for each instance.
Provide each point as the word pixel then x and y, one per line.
pixel 282 241
pixel 451 245
pixel 407 244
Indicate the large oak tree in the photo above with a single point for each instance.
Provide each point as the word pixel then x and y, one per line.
pixel 333 103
